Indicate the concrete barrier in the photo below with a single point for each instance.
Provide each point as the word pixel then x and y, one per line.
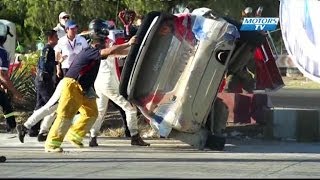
pixel 302 125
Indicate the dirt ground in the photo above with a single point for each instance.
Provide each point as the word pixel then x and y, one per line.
pixel 299 82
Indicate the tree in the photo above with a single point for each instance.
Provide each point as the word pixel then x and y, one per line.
pixel 16 12
pixel 33 17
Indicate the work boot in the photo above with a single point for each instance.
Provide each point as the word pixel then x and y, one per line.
pixel 22 131
pixel 136 140
pixel 33 133
pixel 93 142
pixel 34 130
pixel 127 133
pixel 76 143
pixel 53 149
pixel 42 137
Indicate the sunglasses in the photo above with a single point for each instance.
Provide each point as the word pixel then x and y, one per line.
pixel 65 17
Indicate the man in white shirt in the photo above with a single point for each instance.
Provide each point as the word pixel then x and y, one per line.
pixel 68 47
pixel 60 28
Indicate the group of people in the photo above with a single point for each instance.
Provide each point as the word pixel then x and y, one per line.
pixel 74 81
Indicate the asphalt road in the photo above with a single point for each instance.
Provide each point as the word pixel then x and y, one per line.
pixel 165 158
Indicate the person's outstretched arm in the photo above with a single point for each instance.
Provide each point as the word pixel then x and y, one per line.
pixel 118 50
pixel 6 82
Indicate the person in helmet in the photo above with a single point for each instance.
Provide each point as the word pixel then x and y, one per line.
pixel 78 93
pixel 107 88
pixel 5 82
pixel 247 12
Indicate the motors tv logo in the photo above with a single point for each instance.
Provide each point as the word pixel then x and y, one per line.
pixel 259 24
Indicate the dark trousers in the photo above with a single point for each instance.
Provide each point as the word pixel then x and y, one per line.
pixel 57 79
pixel 45 89
pixel 5 103
pixel 64 71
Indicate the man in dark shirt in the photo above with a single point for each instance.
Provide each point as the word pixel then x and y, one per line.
pixel 78 93
pixel 44 82
pixel 45 71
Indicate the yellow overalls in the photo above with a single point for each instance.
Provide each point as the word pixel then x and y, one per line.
pixel 72 100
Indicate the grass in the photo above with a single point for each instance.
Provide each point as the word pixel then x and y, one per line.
pixel 113 132
pixel 300 82
pixel 116 129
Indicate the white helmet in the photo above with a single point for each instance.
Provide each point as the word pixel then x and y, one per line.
pixel 248 10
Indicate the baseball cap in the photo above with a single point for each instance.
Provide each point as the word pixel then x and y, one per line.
pixel 4 30
pixel 63 14
pixel 70 24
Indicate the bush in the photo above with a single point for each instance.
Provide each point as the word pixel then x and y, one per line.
pixel 23 80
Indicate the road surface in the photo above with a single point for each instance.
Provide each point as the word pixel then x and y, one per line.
pixel 166 158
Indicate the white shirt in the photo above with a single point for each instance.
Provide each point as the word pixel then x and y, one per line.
pixel 107 76
pixel 70 48
pixel 60 30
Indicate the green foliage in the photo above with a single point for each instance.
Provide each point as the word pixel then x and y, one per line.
pixel 29 61
pixel 32 17
pixel 23 78
pixel 23 81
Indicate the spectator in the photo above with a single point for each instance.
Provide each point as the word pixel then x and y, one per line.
pixel 60 28
pixel 127 18
pixel 61 31
pixel 45 85
pixel 68 47
pixel 5 83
